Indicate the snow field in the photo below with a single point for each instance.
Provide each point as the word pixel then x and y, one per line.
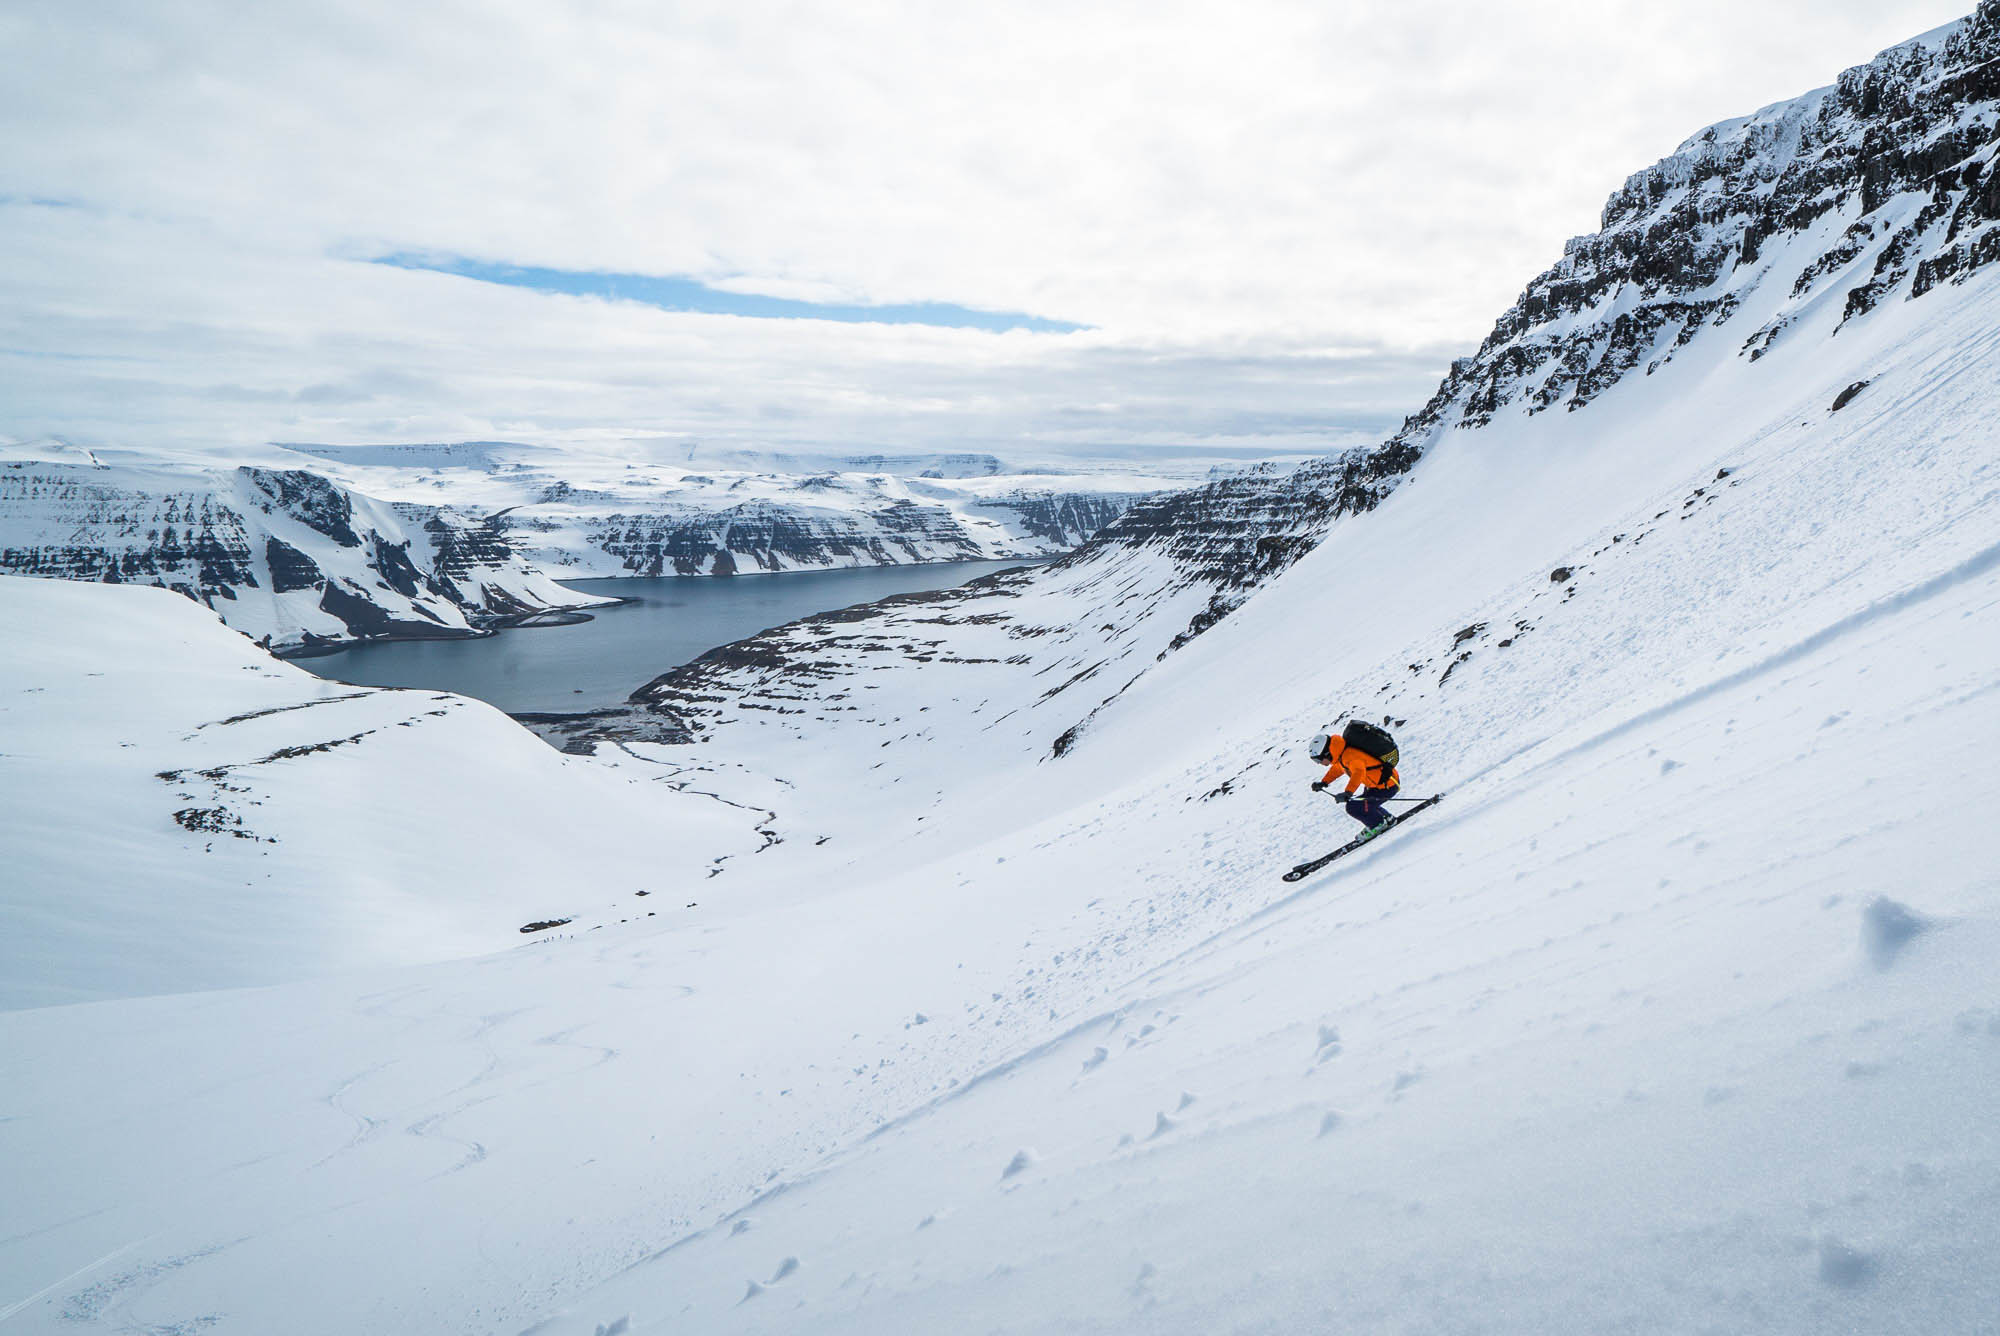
pixel 183 811
pixel 1604 1041
pixel 1678 1014
pixel 1834 529
pixel 1615 1048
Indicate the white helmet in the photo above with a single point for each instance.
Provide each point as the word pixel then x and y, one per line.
pixel 1322 745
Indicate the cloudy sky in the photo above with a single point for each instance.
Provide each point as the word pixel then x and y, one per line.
pixel 1080 223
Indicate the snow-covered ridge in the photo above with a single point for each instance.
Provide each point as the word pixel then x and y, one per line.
pixel 285 556
pixel 454 539
pixel 648 509
pixel 1876 188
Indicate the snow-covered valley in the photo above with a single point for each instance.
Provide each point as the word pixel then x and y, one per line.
pixel 964 995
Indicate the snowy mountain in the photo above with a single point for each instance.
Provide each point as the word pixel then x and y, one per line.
pixel 648 509
pixel 1875 189
pixel 285 556
pixel 1789 225
pixel 1677 1014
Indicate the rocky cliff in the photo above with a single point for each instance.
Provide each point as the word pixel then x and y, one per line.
pixel 1874 189
pixel 285 556
pixel 814 523
pixel 812 530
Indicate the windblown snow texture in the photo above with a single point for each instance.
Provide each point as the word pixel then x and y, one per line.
pixel 1679 1015
pixel 182 811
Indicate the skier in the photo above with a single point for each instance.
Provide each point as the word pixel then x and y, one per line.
pixel 1366 756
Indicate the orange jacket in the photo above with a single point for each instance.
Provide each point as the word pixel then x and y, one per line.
pixel 1360 769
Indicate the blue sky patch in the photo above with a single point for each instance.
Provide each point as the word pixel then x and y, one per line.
pixel 687 294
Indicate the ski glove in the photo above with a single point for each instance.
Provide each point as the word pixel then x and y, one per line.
pixel 1319 786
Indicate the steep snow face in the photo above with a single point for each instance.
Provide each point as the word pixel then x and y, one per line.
pixel 180 810
pixel 285 556
pixel 649 511
pixel 1076 669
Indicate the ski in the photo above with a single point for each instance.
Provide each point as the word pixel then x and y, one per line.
pixel 1307 869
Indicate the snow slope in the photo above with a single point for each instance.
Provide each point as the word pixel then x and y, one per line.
pixel 183 811
pixel 1615 1039
pixel 1677 1015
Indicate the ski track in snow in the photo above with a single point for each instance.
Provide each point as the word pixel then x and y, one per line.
pixel 1438 821
pixel 1585 754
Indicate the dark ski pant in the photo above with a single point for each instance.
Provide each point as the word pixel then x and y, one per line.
pixel 1367 808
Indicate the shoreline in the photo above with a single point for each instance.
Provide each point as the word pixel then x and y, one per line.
pixel 571 615
pixel 1044 560
pixel 576 614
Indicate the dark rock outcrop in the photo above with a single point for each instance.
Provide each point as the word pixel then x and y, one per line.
pixel 290 568
pixel 1902 148
pixel 71 523
pixel 310 499
pixel 1061 519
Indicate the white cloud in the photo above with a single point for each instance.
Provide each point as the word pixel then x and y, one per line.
pixel 1218 189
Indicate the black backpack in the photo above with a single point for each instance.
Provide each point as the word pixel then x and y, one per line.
pixel 1375 741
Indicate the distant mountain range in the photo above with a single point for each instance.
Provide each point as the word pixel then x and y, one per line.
pixel 357 542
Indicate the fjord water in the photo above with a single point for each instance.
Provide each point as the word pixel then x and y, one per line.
pixel 664 622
